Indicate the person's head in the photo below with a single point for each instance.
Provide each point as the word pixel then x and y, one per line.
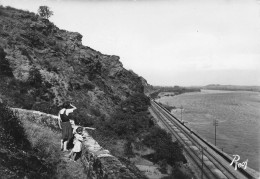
pixel 79 130
pixel 67 105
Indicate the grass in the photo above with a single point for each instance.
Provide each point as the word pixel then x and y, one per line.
pixel 12 126
pixel 17 155
pixel 46 143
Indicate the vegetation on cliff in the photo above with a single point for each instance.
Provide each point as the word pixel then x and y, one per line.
pixel 129 119
pixel 43 66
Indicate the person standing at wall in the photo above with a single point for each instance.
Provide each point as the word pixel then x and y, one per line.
pixel 64 117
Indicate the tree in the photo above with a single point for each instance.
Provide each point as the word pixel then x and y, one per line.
pixel 45 12
pixel 35 77
pixel 4 64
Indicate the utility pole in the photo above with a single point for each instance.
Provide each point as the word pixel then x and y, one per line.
pixel 215 123
pixel 202 162
pixel 181 112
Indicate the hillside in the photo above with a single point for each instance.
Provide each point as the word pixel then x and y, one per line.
pixel 232 87
pixel 41 66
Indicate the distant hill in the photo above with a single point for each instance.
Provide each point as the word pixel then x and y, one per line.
pixel 232 87
pixel 154 91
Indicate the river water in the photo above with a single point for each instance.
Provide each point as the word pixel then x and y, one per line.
pixel 238 116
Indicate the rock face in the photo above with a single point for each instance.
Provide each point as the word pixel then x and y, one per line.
pixel 66 69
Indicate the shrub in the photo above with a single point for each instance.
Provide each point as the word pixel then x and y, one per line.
pixel 19 92
pixel 88 86
pixel 49 67
pixel 162 143
pixel 35 77
pixel 127 124
pixel 2 12
pixel 4 65
pixel 81 119
pixel 47 107
pixel 116 99
pixel 155 94
pixel 136 103
pixel 24 52
pixel 95 111
pixel 10 8
pixel 129 149
pixel 23 100
pixel 130 119
pixel 177 173
pixel 13 127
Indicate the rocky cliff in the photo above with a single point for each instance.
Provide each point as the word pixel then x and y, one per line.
pixel 42 66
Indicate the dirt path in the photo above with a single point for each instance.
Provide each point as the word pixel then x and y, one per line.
pixel 70 169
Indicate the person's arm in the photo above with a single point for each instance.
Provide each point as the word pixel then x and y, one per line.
pixel 71 109
pixel 90 128
pixel 74 107
pixel 59 120
pixel 79 137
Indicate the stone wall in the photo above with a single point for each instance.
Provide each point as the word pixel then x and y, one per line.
pixel 98 162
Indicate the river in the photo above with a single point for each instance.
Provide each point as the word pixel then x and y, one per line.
pixel 238 116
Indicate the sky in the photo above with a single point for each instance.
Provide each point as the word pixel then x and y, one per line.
pixel 168 42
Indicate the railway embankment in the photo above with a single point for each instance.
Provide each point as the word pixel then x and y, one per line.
pixel 208 160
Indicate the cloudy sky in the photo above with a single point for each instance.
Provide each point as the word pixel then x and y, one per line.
pixel 168 42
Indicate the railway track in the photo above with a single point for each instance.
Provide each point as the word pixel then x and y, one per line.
pixel 212 162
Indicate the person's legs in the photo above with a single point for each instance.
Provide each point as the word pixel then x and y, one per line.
pixel 65 146
pixel 70 154
pixel 74 155
pixel 61 144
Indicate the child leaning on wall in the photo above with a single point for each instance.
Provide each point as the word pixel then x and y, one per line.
pixel 78 138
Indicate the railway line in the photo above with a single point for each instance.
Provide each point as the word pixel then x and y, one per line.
pixel 212 162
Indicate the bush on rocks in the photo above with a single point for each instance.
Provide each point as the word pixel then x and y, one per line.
pixel 12 126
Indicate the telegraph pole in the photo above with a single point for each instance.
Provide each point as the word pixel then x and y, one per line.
pixel 202 162
pixel 181 112
pixel 215 123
